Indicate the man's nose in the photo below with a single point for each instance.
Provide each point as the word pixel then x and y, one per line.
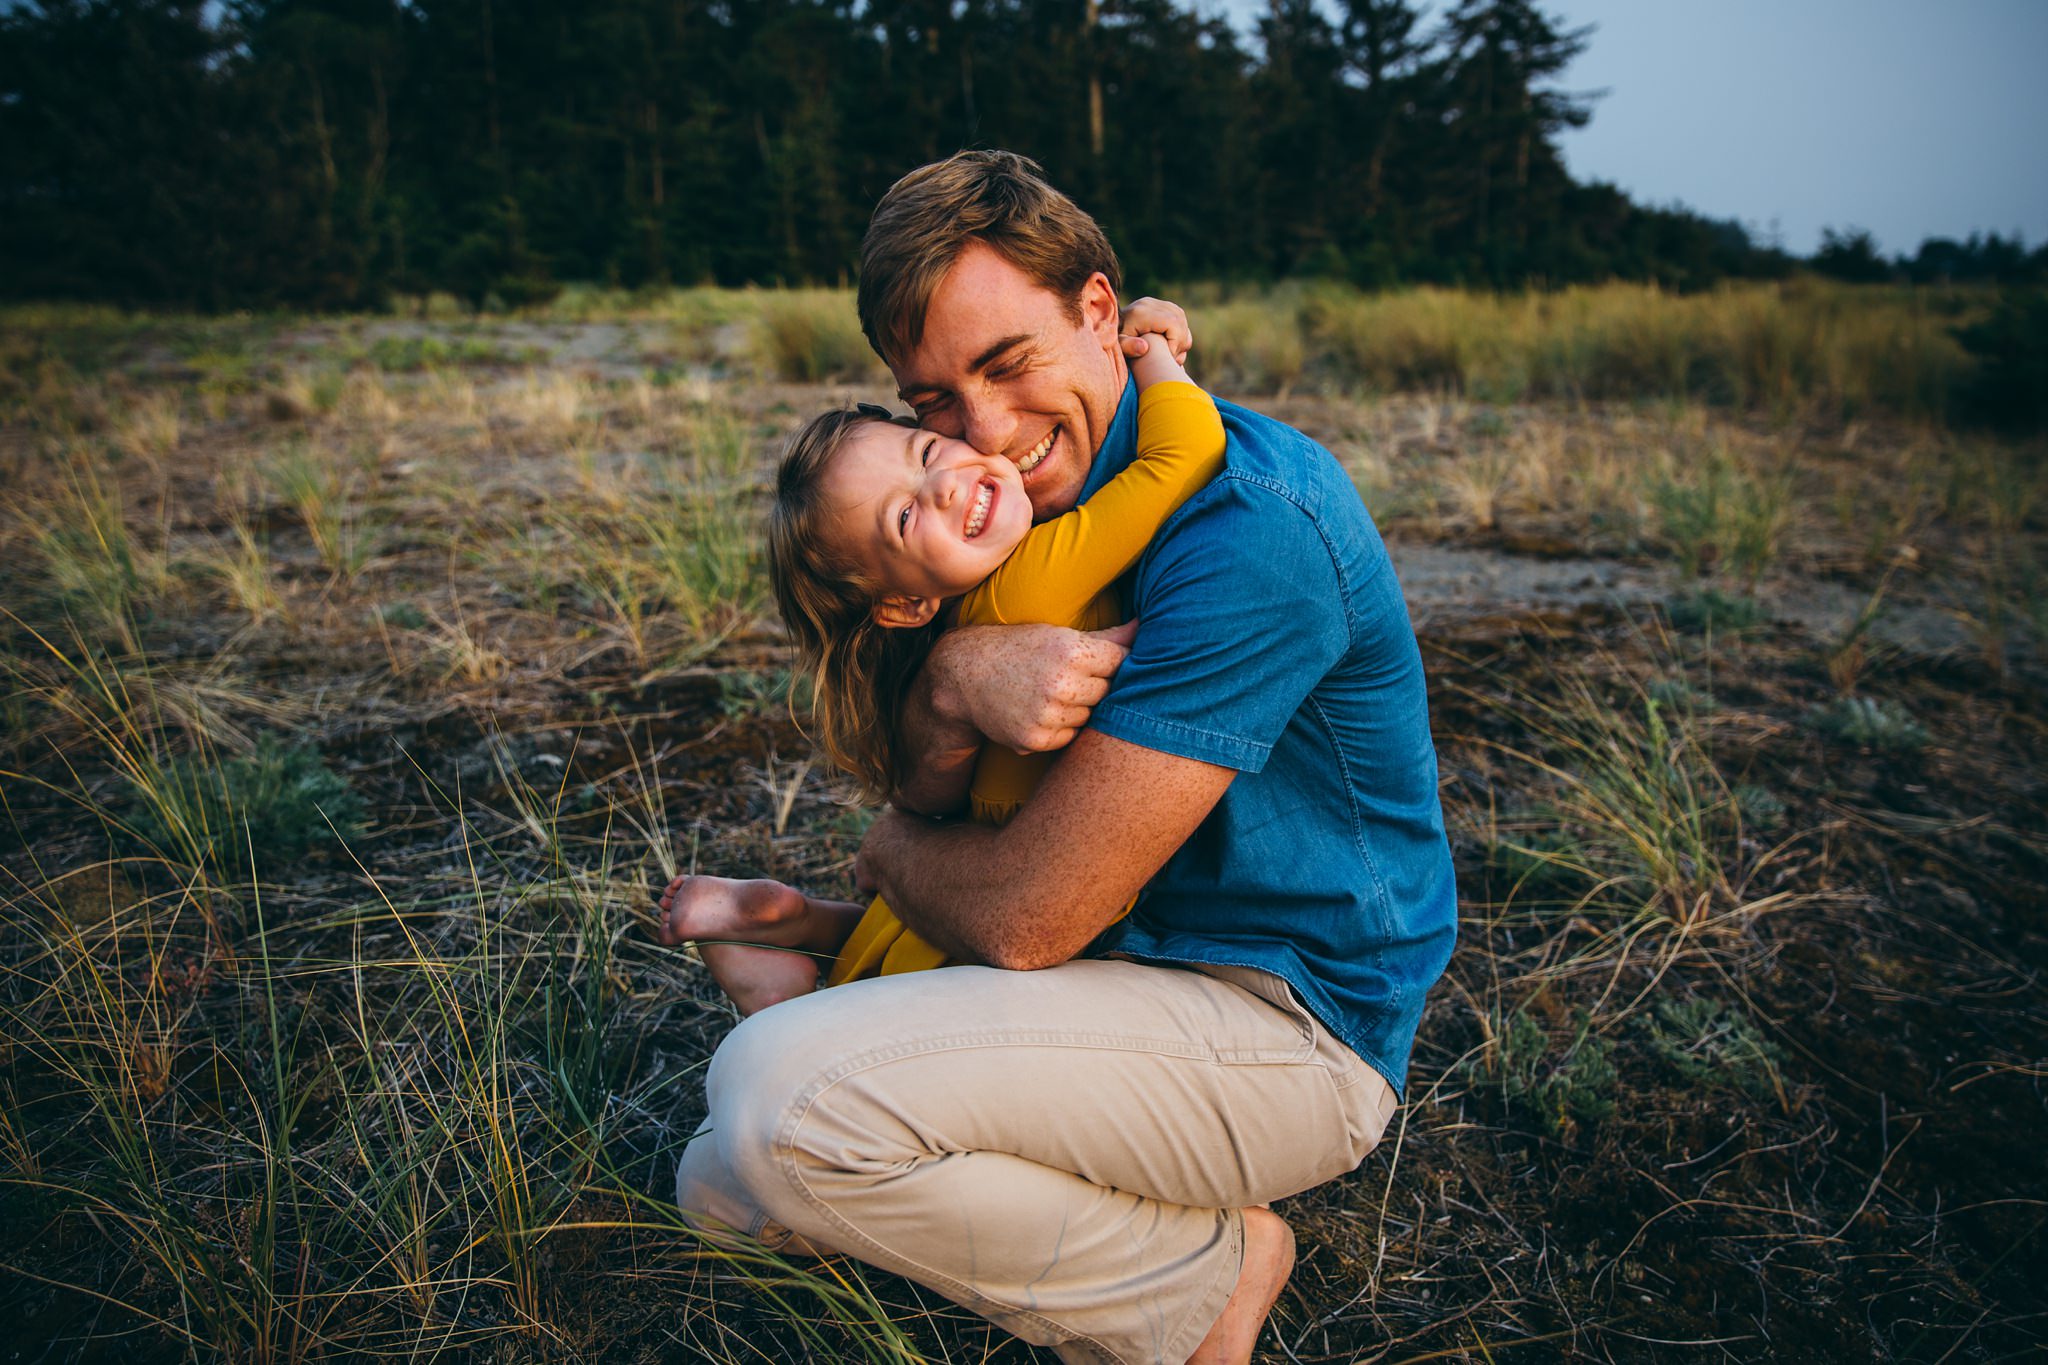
pixel 990 426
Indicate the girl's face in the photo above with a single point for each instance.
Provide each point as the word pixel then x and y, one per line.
pixel 928 516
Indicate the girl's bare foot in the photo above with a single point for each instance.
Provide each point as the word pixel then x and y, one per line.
pixel 1268 1261
pixel 756 978
pixel 744 931
pixel 763 912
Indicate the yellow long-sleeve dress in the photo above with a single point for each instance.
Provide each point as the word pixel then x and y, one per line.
pixel 1062 573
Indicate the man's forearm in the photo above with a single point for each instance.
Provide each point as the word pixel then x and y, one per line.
pixel 928 872
pixel 938 753
pixel 1038 890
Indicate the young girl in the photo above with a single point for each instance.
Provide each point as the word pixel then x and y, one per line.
pixel 882 535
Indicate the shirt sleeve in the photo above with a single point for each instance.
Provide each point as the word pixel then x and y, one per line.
pixel 1060 567
pixel 1240 614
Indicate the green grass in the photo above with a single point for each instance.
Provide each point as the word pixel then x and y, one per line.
pixel 1637 814
pixel 269 807
pixel 1719 515
pixel 408 1119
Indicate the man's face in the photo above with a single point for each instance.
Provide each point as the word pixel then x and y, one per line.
pixel 1005 366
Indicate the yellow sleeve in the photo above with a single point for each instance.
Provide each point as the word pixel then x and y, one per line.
pixel 1059 567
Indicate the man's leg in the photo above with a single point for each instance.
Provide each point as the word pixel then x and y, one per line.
pixel 1063 1151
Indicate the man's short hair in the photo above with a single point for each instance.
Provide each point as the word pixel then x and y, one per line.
pixel 929 216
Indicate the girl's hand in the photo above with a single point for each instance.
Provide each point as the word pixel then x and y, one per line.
pixel 1157 365
pixel 1169 320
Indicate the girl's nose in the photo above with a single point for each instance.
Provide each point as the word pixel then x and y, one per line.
pixel 952 484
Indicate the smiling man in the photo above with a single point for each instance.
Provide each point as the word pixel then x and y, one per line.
pixel 1078 1139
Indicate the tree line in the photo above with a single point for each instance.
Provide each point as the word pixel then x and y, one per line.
pixel 330 153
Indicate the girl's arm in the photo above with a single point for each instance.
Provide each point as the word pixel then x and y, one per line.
pixel 1059 567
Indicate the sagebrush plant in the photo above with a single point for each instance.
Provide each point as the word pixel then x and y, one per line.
pixel 1871 722
pixel 1563 1086
pixel 1709 1043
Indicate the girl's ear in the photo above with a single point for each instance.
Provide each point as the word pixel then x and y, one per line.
pixel 905 613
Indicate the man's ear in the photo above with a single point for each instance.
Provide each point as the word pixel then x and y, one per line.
pixel 1098 305
pixel 905 613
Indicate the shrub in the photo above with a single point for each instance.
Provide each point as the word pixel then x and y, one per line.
pixel 1759 807
pixel 1252 347
pixel 1871 723
pixel 1564 1088
pixel 1714 612
pixel 2010 384
pixel 1708 1044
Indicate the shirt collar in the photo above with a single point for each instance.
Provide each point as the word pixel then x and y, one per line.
pixel 1119 443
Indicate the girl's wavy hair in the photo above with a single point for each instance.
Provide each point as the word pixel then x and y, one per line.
pixel 859 670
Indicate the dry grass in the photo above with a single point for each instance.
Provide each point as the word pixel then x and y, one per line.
pixel 1772 348
pixel 1742 1036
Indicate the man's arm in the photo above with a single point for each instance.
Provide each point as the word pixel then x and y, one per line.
pixel 1029 688
pixel 1036 891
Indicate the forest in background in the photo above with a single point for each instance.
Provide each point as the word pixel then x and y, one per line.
pixel 334 153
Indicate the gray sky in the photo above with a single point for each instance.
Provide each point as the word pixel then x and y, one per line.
pixel 1912 118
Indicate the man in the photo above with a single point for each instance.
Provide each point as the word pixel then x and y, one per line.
pixel 1079 1139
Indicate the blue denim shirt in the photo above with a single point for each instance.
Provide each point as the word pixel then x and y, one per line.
pixel 1273 639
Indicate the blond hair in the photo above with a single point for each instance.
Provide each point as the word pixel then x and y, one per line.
pixel 859 669
pixel 929 216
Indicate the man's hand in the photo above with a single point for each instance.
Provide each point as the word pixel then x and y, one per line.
pixel 1028 688
pixel 1155 315
pixel 891 823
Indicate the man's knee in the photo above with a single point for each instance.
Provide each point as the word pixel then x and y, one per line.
pixel 761 1078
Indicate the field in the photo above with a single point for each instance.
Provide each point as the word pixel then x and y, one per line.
pixel 363 677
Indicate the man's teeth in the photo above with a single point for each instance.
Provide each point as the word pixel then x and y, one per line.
pixel 976 518
pixel 1036 453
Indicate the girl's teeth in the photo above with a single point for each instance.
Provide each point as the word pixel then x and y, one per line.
pixel 980 512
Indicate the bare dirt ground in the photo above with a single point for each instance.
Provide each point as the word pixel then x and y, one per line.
pixel 1741 726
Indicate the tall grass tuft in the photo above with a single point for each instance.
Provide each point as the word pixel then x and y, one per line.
pixel 1718 514
pixel 318 492
pixel 229 815
pixel 1637 815
pixel 97 571
pixel 812 336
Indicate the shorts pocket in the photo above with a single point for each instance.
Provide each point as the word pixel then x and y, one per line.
pixel 1288 1038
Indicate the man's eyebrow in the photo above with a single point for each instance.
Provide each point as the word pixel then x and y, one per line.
pixel 909 393
pixel 988 357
